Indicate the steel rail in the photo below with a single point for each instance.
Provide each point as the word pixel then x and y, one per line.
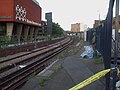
pixel 28 70
pixel 18 60
pixel 2 61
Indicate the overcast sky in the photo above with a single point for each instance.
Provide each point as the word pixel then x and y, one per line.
pixel 66 12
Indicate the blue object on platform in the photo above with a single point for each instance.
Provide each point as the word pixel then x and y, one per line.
pixel 88 53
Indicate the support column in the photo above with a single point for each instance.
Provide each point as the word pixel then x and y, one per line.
pixel 36 32
pixel 26 30
pixel 19 31
pixel 31 33
pixel 9 29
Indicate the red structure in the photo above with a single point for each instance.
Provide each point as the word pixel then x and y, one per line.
pixel 23 16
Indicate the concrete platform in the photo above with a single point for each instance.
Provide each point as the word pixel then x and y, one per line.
pixel 64 74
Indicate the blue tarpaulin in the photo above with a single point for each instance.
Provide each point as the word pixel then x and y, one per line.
pixel 88 53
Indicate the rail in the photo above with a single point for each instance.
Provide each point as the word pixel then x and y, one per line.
pixel 15 79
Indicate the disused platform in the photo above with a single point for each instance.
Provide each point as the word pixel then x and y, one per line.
pixel 66 73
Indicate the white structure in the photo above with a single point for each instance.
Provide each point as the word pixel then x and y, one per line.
pixel 113 34
pixel 83 27
pixel 85 34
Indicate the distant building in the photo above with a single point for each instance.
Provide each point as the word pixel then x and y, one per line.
pixel 43 29
pixel 113 23
pixel 20 18
pixel 78 27
pixel 75 27
pixel 96 23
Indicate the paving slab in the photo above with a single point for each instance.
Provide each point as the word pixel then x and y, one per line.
pixel 78 71
pixel 61 81
pixel 74 70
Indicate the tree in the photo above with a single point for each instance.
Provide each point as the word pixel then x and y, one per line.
pixel 57 30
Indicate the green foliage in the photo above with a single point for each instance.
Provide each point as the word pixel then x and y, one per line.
pixel 42 82
pixel 46 78
pixel 57 30
pixel 98 60
pixel 58 68
pixel 6 40
pixel 42 38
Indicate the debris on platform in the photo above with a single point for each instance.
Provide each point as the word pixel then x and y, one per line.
pixel 88 53
pixel 22 66
pixel 118 85
pixel 77 44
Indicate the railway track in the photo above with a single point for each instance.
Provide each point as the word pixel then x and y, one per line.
pixel 35 62
pixel 26 47
pixel 33 51
pixel 18 60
